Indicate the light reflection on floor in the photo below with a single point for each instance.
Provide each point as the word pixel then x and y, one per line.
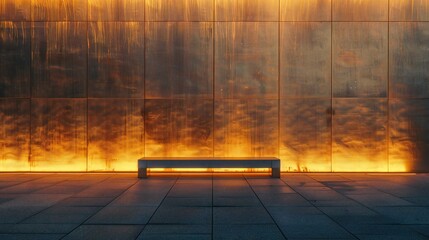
pixel 214 206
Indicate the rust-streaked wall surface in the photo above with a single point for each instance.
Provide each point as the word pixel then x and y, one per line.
pixel 326 85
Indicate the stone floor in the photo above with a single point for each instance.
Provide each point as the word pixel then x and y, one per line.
pixel 214 206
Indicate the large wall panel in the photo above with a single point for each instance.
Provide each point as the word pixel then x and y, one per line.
pixel 305 10
pixel 15 60
pixel 59 54
pixel 115 134
pixel 247 10
pixel 409 61
pixel 116 59
pixel 409 10
pixel 179 60
pixel 179 10
pixel 116 10
pixel 305 134
pixel 359 131
pixel 360 10
pixel 409 135
pixel 178 128
pixel 246 63
pixel 359 58
pixel 14 134
pixel 131 10
pixel 305 59
pixel 246 128
pixel 59 10
pixel 103 10
pixel 15 10
pixel 58 135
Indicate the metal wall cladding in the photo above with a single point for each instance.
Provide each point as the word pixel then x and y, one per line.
pixel 58 135
pixel 14 134
pixel 103 10
pixel 116 59
pixel 359 131
pixel 360 10
pixel 59 10
pixel 325 85
pixel 246 128
pixel 15 10
pixel 409 135
pixel 59 59
pixel 305 10
pixel 131 10
pixel 359 58
pixel 179 59
pixel 115 134
pixel 246 63
pixel 305 58
pixel 409 10
pixel 179 10
pixel 247 10
pixel 178 128
pixel 15 60
pixel 409 51
pixel 305 134
pixel 116 10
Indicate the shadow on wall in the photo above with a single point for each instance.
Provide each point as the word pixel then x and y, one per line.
pixel 409 107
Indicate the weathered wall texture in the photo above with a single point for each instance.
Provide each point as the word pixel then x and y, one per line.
pixel 326 85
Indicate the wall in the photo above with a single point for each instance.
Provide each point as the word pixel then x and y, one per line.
pixel 326 85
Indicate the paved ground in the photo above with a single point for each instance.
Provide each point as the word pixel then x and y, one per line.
pixel 297 206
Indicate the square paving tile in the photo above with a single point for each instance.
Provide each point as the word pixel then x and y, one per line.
pixel 317 231
pixel 17 214
pixel 375 229
pixel 31 236
pixel 236 202
pixel 84 202
pixel 105 232
pixel 176 232
pixel 284 199
pixel 143 200
pixel 273 189
pixel 122 215
pixel 348 211
pixel 422 229
pixel 63 215
pixel 406 215
pixel 33 199
pixel 390 237
pixel 335 203
pixel 265 181
pixel 249 232
pixel 233 192
pixel 187 202
pixel 241 215
pixel 37 228
pixel 418 201
pixel 351 220
pixel 379 199
pixel 182 215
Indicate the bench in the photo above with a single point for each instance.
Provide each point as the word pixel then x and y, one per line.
pixel 262 162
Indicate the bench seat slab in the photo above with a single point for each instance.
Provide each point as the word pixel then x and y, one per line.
pixel 145 163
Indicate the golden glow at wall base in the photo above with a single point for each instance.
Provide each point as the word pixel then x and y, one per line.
pixel 324 85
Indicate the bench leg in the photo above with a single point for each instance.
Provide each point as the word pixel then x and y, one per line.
pixel 275 172
pixel 142 173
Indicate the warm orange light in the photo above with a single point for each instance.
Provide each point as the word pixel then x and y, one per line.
pixel 211 170
pixel 56 148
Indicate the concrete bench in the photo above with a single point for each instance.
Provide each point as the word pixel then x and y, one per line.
pixel 262 162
